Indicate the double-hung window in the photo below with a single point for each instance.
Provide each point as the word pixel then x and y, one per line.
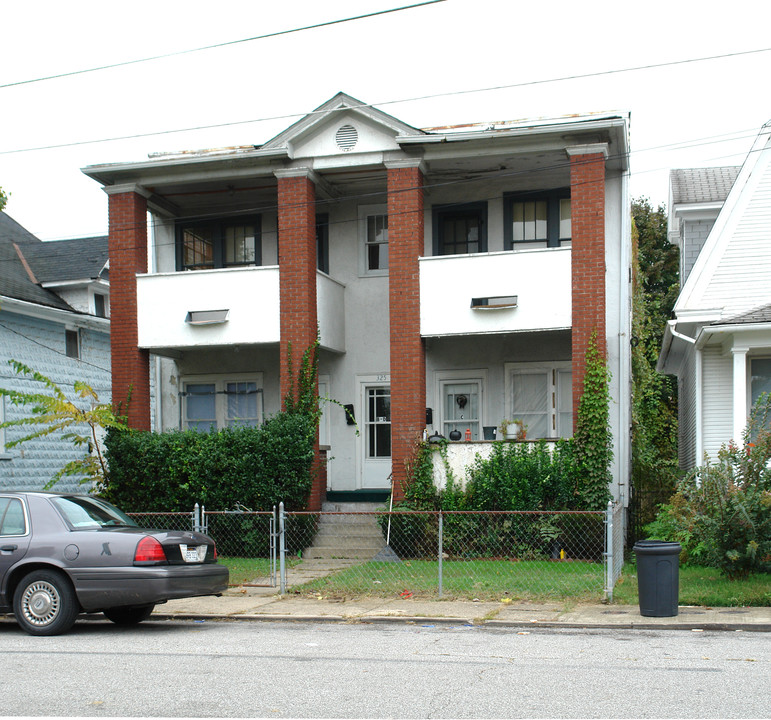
pixel 217 244
pixel 541 396
pixel 760 383
pixel 220 402
pixel 460 229
pixel 373 240
pixel 536 220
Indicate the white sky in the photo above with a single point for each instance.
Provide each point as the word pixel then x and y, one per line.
pixel 714 108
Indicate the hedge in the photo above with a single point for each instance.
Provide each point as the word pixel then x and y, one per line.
pixel 255 467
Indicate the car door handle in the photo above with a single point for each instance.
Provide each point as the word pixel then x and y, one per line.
pixel 8 548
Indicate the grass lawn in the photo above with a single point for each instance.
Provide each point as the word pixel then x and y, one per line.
pixel 703 586
pixel 534 581
pixel 481 579
pixel 247 570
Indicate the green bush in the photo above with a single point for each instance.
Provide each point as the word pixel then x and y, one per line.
pixel 721 513
pixel 522 476
pixel 256 467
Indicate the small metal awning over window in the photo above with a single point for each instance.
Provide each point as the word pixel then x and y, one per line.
pixel 207 317
pixel 498 302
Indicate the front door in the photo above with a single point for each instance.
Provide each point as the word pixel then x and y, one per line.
pixel 375 435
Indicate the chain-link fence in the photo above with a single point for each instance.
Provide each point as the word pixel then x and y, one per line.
pixel 534 555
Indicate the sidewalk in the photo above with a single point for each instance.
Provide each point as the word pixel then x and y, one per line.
pixel 255 604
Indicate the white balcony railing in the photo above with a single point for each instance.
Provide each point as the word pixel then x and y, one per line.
pixel 518 291
pixel 250 297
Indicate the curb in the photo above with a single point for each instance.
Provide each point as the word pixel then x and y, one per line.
pixel 500 624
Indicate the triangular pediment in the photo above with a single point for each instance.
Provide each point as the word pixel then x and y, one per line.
pixel 341 126
pixel 732 273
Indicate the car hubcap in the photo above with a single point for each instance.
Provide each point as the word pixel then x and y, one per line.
pixel 40 603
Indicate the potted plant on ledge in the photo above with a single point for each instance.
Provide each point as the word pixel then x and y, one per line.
pixel 513 429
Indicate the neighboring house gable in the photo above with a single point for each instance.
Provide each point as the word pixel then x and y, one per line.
pixel 41 326
pixel 719 345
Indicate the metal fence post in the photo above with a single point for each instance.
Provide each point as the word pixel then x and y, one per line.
pixel 272 545
pixel 609 574
pixel 196 516
pixel 441 551
pixel 282 548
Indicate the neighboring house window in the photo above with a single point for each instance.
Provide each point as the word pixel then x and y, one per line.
pixel 217 403
pixel 760 382
pixel 72 344
pixel 225 243
pixel 100 305
pixel 377 422
pixel 3 455
pixel 460 229
pixel 536 220
pixel 373 234
pixel 322 243
pixel 541 396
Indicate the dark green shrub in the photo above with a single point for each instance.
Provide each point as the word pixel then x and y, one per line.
pixel 256 467
pixel 522 476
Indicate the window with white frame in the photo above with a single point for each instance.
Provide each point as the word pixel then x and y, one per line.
pixel 377 422
pixel 760 382
pixel 373 234
pixel 214 403
pixel 541 396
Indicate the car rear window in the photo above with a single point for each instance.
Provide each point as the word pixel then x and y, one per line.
pixel 85 512
pixel 12 517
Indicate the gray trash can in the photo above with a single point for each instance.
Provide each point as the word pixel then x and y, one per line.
pixel 658 577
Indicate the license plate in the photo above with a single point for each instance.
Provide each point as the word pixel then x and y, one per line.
pixel 193 553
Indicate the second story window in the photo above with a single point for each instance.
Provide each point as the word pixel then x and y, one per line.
pixel 533 221
pixel 373 234
pixel 460 229
pixel 217 244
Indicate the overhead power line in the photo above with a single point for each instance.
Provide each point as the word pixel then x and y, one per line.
pixel 217 45
pixel 292 116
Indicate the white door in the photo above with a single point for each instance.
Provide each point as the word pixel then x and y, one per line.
pixel 375 437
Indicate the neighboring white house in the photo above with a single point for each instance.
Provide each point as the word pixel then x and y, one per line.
pixel 455 276
pixel 54 307
pixel 719 344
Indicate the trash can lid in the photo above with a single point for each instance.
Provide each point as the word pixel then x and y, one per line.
pixel 656 547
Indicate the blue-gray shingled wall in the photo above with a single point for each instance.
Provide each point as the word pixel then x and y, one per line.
pixel 40 345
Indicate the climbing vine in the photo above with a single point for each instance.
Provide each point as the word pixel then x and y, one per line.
pixel 592 438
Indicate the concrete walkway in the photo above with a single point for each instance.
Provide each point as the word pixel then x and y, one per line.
pixel 264 603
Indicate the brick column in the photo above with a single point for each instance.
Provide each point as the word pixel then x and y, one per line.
pixel 587 206
pixel 297 268
pixel 128 256
pixel 408 360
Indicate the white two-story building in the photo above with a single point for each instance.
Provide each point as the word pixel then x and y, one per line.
pixel 455 276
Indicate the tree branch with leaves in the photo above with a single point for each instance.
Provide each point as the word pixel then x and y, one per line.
pixel 51 411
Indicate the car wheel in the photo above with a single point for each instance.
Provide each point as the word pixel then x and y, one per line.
pixel 129 615
pixel 45 603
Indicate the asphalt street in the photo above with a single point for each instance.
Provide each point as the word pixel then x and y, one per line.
pixel 220 668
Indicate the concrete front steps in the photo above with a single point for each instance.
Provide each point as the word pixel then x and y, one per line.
pixel 347 532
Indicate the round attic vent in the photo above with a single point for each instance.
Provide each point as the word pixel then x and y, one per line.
pixel 346 137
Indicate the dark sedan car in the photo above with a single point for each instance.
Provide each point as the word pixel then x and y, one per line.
pixel 63 554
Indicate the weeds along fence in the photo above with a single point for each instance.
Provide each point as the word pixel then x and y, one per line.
pixel 465 554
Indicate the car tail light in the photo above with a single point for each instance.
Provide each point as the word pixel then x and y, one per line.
pixel 215 552
pixel 149 550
